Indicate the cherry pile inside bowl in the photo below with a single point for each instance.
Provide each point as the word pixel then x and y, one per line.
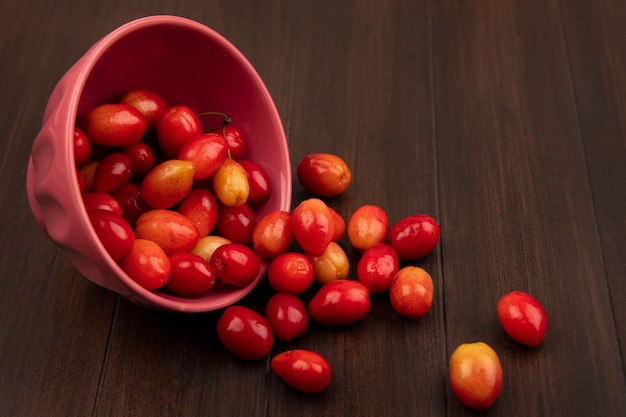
pixel 163 192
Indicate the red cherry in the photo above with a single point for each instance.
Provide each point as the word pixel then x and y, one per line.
pixel 260 187
pixel 98 200
pixel 377 267
pixel 302 369
pixel 113 231
pixel 235 264
pixel 147 264
pixel 150 104
pixel 191 275
pixel 312 226
pixel 236 223
pixel 177 126
pixel 131 202
pixel 115 124
pixel 207 152
pixel 287 316
pixel 236 144
pixel 141 157
pixel 245 333
pixel 113 171
pixel 82 147
pixel 290 273
pixel 201 207
pixel 523 318
pixel 339 303
pixel 414 236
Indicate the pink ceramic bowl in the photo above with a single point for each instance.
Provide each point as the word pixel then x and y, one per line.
pixel 186 63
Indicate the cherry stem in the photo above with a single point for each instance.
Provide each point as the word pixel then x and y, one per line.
pixel 226 120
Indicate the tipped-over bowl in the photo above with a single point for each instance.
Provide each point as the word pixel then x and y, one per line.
pixel 186 63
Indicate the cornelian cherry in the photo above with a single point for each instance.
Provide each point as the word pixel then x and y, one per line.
pixel 147 264
pixel 113 171
pixel 201 207
pixel 236 144
pixel 312 226
pixel 287 316
pixel 290 273
pixel 113 231
pixel 172 231
pixel 175 127
pixel 82 147
pixel 207 152
pixel 273 234
pixel 302 369
pixel 103 201
pixel 245 333
pixel 414 236
pixel 377 267
pixel 236 223
pixel 259 181
pixel 150 104
pixel 191 275
pixel 113 124
pixel 142 158
pixel 235 264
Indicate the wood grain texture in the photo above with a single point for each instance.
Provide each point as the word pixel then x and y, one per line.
pixel 504 120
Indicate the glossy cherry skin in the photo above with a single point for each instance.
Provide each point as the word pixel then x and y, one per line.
pixel 207 245
pixel 207 151
pixel 245 333
pixel 99 200
pixel 230 183
pixel 523 318
pixel 332 265
pixel 131 202
pixel 168 183
pixel 475 375
pixel 236 143
pixel 287 316
pixel 113 171
pixel 191 275
pixel 147 264
pixel 259 181
pixel 414 236
pixel 113 124
pixel 201 207
pixel 411 292
pixel 236 223
pixel 367 226
pixel 312 226
pixel 113 231
pixel 142 158
pixel 175 127
pixel 172 231
pixel 302 369
pixel 377 267
pixel 82 147
pixel 235 264
pixel 339 303
pixel 150 104
pixel 273 234
pixel 290 273
pixel 323 174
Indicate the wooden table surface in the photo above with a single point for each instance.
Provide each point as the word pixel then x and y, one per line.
pixel 505 120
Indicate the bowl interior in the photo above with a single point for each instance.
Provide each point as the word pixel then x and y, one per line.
pixel 187 64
